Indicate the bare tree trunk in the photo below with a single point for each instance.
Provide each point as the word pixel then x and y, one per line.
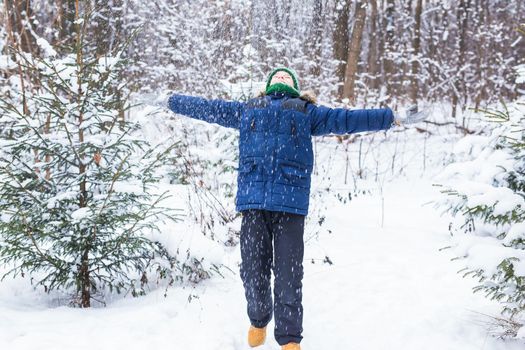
pixel 66 17
pixel 417 48
pixel 354 51
pixel 340 37
pixel 373 66
pixel 224 30
pixel 317 36
pixel 462 16
pixel 406 47
pixel 444 25
pixel 108 24
pixel 465 9
pixel 13 38
pixel 84 276
pixel 388 62
pixel 286 8
pixel 276 18
pixel 431 50
pixel 18 14
pixel 479 22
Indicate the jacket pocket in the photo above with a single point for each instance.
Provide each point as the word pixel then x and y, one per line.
pixel 250 169
pixel 294 174
pixel 247 166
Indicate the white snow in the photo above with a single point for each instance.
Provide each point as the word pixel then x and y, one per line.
pixel 505 199
pixel 516 231
pixel 6 63
pixel 47 49
pixel 390 287
pixel 80 214
pixel 520 70
pixel 68 195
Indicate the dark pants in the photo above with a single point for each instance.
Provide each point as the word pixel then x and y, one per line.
pixel 258 229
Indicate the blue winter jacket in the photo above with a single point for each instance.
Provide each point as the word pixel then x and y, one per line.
pixel 275 145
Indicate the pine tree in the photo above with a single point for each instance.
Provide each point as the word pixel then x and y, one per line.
pixel 489 197
pixel 77 186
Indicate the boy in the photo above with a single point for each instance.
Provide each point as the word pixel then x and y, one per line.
pixel 274 175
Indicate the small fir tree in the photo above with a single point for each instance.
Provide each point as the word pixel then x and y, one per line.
pixel 77 187
pixel 489 197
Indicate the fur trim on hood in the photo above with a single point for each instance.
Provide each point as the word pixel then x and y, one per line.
pixel 307 95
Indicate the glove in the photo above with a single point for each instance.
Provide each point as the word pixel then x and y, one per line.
pixel 410 116
pixel 154 100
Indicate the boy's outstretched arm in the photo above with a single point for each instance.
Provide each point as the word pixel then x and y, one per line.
pixel 224 113
pixel 325 120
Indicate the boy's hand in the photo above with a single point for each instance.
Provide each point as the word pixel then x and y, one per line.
pixel 410 116
pixel 152 99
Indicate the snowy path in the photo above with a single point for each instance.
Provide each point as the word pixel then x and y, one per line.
pixel 388 289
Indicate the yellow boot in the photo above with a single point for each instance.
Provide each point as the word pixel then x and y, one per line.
pixel 256 336
pixel 291 346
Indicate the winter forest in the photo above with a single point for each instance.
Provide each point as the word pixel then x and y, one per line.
pixel 131 132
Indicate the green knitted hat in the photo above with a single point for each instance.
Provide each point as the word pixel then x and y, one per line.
pixel 281 87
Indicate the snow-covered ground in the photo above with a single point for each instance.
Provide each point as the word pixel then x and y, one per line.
pixel 389 284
